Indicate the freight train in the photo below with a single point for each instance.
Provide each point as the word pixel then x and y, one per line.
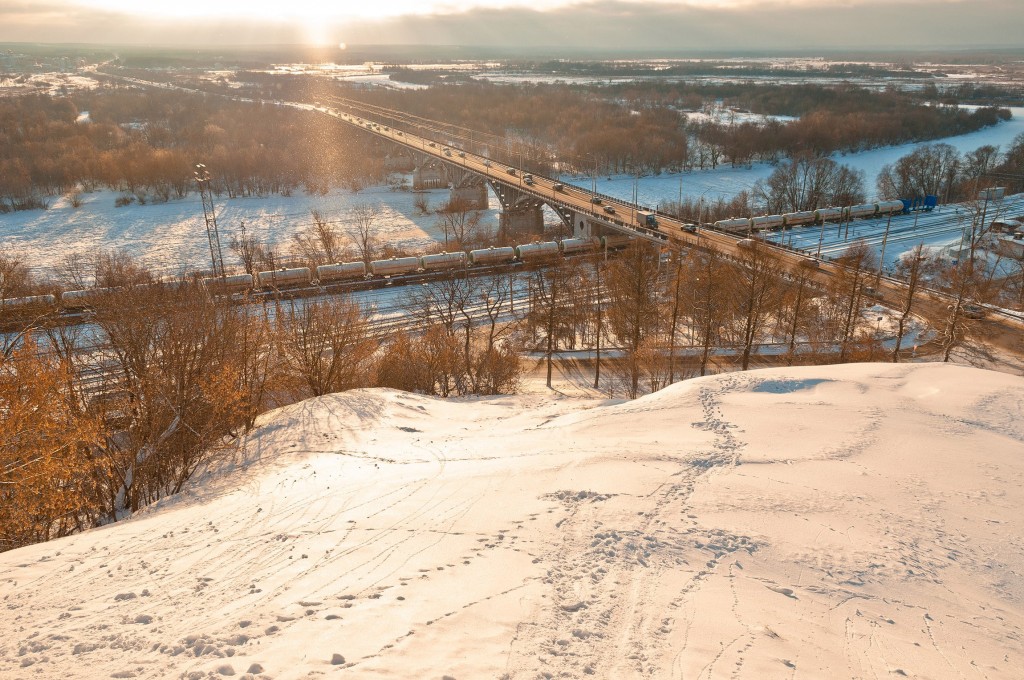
pixel 302 277
pixel 746 225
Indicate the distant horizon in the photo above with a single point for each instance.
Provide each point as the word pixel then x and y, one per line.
pixel 532 51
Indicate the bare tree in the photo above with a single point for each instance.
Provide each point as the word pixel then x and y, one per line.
pixel 633 314
pixel 967 284
pixel 596 289
pixel 754 287
pixel 910 268
pixel 15 279
pixel 363 231
pixel 549 297
pixel 795 310
pixel 326 345
pixel 459 222
pixel 421 202
pixel 46 447
pixel 928 169
pixel 320 243
pixel 73 272
pixel 848 288
pixel 249 249
pixel 441 301
pixel 706 306
pixel 677 286
pixel 171 390
pixel 808 182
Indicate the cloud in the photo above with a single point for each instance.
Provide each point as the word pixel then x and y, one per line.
pixel 599 25
pixel 620 25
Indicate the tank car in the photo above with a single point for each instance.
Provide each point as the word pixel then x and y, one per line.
pixel 395 266
pixel 236 283
pixel 83 299
pixel 280 278
pixel 27 305
pixel 889 207
pixel 341 271
pixel 530 252
pixel 826 214
pixel 795 219
pixel 766 222
pixel 492 255
pixel 862 210
pixel 734 224
pixel 578 245
pixel 439 261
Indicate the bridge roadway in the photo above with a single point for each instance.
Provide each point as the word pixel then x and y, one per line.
pixel 669 230
pixel 571 197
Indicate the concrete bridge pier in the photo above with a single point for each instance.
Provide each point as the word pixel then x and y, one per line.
pixel 521 213
pixel 428 176
pixel 524 220
pixel 474 196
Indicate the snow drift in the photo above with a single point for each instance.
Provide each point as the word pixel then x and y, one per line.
pixel 842 521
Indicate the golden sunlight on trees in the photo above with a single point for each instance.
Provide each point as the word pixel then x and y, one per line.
pixel 47 464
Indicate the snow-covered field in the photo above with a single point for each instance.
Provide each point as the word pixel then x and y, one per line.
pixel 856 521
pixel 171 237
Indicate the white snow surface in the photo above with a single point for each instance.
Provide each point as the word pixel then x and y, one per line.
pixel 847 521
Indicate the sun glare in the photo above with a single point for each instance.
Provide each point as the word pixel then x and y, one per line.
pixel 299 11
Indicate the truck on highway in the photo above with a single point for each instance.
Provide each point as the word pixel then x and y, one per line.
pixel 647 218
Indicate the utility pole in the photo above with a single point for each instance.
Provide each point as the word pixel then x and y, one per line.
pixel 881 258
pixel 216 256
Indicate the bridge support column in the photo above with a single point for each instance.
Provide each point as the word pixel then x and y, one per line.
pixel 428 176
pixel 474 196
pixel 525 220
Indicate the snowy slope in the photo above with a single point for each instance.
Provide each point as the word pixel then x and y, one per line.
pixel 845 521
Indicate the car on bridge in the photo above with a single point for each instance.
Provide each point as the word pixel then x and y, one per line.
pixel 609 209
pixel 511 171
pixel 596 200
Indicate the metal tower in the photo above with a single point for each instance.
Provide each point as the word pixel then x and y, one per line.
pixel 203 181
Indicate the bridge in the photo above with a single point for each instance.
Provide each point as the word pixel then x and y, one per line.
pixel 521 193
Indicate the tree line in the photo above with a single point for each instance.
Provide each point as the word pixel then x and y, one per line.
pixel 145 143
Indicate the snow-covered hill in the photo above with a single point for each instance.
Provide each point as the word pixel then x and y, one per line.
pixel 857 521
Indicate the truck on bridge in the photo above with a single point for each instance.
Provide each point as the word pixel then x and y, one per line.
pixel 647 218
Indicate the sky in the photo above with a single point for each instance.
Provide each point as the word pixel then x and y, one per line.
pixel 697 25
